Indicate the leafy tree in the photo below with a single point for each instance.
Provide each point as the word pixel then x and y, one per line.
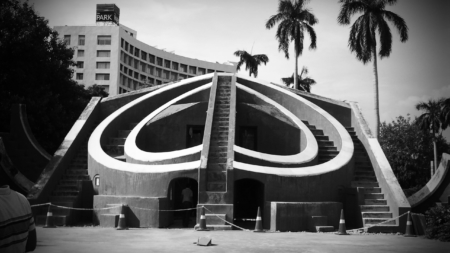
pixel 430 120
pixel 294 19
pixel 409 151
pixel 304 82
pixel 97 91
pixel 251 61
pixel 36 70
pixel 362 38
pixel 445 116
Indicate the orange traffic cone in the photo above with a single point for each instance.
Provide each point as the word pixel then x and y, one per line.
pixel 202 221
pixel 122 221
pixel 258 225
pixel 409 228
pixel 49 220
pixel 342 229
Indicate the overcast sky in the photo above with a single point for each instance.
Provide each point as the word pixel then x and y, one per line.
pixel 212 30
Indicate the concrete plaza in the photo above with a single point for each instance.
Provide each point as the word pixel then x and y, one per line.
pixel 96 239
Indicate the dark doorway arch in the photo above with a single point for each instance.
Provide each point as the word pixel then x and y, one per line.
pixel 175 197
pixel 248 195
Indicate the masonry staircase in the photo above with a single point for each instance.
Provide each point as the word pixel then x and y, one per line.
pixel 68 191
pixel 115 147
pixel 327 150
pixel 373 205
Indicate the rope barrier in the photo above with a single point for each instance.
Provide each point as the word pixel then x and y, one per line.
pixel 226 221
pixel 374 225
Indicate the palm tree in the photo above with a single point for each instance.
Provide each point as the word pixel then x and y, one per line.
pixel 294 19
pixel 362 38
pixel 251 61
pixel 304 82
pixel 430 120
pixel 445 116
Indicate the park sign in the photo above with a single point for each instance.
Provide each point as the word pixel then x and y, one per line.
pixel 108 13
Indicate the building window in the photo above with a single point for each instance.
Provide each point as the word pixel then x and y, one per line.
pixel 173 76
pixel 131 49
pixel 136 52
pixel 143 55
pixel 166 74
pixel 150 70
pixel 80 40
pixel 159 61
pixel 143 66
pixel 136 75
pixel 158 72
pixel 103 53
pixel 80 64
pixel 79 76
pixel 183 68
pixel 151 58
pixel 103 65
pixel 104 40
pixel 121 67
pixel 136 64
pixel 201 71
pixel 96 180
pixel 167 64
pixel 80 53
pixel 101 76
pixel 126 46
pixel 67 39
pixel 210 70
pixel 158 82
pixel 192 70
pixel 130 72
pixel 174 65
pixel 121 42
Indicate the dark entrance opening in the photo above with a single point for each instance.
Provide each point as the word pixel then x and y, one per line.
pixel 175 197
pixel 194 135
pixel 248 137
pixel 248 196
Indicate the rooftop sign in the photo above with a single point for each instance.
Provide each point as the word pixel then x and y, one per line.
pixel 108 13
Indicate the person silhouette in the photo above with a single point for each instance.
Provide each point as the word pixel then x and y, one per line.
pixel 186 204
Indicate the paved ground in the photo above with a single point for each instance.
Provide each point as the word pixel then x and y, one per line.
pixel 95 239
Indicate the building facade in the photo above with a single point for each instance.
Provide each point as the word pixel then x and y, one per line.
pixel 112 57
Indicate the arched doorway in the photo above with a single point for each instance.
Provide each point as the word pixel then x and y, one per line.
pixel 248 196
pixel 175 197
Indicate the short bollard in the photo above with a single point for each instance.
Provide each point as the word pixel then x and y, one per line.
pixel 202 226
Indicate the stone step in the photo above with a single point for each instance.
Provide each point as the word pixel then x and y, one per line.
pixel 362 163
pixel 221 123
pixel 218 154
pixel 123 133
pixel 218 143
pixel 114 149
pixel 374 196
pixel 55 199
pixel 364 173
pixel 350 128
pixel 76 172
pixel 67 188
pixel 328 152
pixel 327 148
pixel 117 141
pixel 366 178
pixel 221 113
pixel 217 160
pixel 322 137
pixel 223 102
pixel 374 202
pixel 215 219
pixel 81 177
pixel 220 119
pixel 374 208
pixel 324 229
pixel 216 176
pixel 373 221
pixel 219 134
pixel 68 182
pixel 220 128
pixel 57 193
pixel 385 215
pixel 218 227
pixel 317 131
pixel 217 166
pixel 78 166
pixel 355 184
pixel 323 143
pixel 369 189
pixel 216 186
pixel 364 168
pixel 214 148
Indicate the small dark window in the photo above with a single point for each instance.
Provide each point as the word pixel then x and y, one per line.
pixel 81 40
pixel 104 40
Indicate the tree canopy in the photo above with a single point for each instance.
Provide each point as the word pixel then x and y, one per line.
pixel 36 70
pixel 409 150
pixel 303 82
pixel 251 61
pixel 294 19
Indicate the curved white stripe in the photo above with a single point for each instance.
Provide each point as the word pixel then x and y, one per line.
pixel 336 163
pixel 135 153
pixel 98 154
pixel 307 155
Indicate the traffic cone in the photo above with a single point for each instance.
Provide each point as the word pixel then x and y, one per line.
pixel 202 221
pixel 258 225
pixel 409 228
pixel 122 221
pixel 342 229
pixel 49 220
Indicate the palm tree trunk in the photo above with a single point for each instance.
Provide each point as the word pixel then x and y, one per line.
pixel 435 156
pixel 377 103
pixel 296 72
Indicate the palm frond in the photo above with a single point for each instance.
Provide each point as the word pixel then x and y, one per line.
pixel 349 8
pixel 385 38
pixel 399 23
pixel 312 35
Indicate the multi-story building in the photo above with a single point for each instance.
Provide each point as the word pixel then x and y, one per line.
pixel 112 57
